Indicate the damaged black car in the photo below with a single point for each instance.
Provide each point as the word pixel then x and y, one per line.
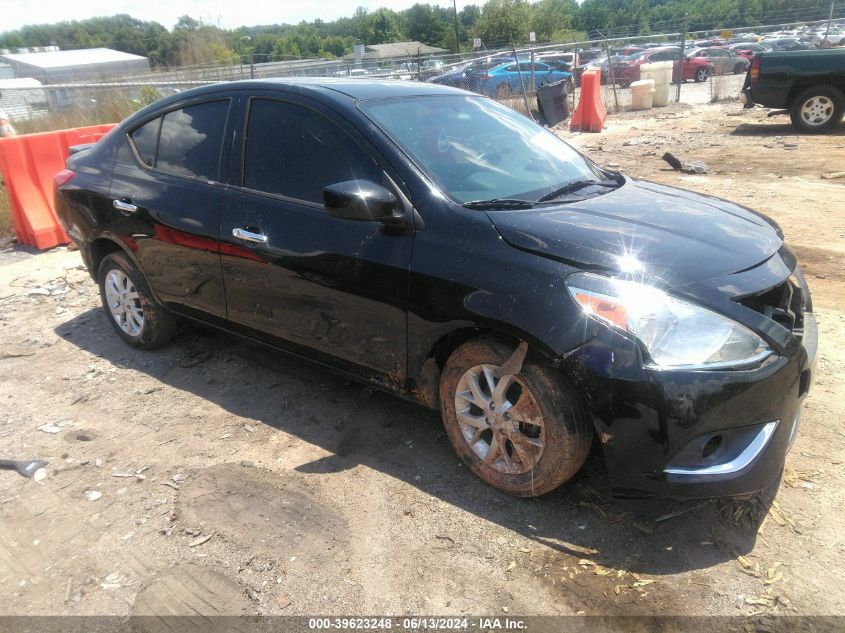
pixel 445 248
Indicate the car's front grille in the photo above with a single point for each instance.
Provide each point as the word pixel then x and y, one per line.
pixel 784 304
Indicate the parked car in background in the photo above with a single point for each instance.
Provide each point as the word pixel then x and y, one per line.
pixel 599 63
pixel 506 79
pixel 725 61
pixel 562 61
pixel 447 249
pixel 810 85
pixel 470 76
pixel 695 68
pixel 786 44
pixel 431 68
pixel 749 49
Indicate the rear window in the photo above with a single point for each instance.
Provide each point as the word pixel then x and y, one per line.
pixel 191 139
pixel 145 140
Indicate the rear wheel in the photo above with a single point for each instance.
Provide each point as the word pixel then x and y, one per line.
pixel 739 69
pixel 524 434
pixel 817 109
pixel 129 304
pixel 701 75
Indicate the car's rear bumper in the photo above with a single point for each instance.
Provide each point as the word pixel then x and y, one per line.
pixel 654 425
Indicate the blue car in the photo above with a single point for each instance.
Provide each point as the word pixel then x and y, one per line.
pixel 471 75
pixel 503 80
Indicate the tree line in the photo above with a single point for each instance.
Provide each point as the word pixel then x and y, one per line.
pixel 496 22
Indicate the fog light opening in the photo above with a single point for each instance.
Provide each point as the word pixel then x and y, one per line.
pixel 711 447
pixel 804 383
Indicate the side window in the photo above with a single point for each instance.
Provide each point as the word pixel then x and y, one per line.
pixel 191 139
pixel 296 152
pixel 145 140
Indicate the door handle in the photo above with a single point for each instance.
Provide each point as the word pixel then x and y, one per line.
pixel 122 205
pixel 249 236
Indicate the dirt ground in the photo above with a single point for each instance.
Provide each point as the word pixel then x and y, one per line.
pixel 212 476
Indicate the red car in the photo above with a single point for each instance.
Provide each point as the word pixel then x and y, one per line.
pixel 696 69
pixel 748 49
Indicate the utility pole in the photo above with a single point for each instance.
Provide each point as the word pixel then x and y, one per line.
pixel 829 18
pixel 457 30
pixel 681 60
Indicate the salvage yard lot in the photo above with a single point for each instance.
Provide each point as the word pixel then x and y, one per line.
pixel 234 480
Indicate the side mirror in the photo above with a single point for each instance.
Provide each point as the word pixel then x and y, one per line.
pixel 359 200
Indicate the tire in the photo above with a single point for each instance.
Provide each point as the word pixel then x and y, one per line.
pixel 739 69
pixel 701 75
pixel 536 458
pixel 817 109
pixel 129 304
pixel 503 91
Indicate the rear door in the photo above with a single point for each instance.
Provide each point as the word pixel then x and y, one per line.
pixel 331 288
pixel 168 186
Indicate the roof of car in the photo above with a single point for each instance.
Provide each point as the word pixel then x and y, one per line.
pixel 354 87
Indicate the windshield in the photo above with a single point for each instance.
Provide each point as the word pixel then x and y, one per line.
pixel 476 149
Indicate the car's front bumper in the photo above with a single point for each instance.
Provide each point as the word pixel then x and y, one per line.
pixel 653 425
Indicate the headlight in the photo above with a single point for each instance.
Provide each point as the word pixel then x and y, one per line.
pixel 676 333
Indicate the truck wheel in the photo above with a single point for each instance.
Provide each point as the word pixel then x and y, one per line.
pixel 523 434
pixel 817 109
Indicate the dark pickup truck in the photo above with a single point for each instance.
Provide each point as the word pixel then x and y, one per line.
pixel 808 84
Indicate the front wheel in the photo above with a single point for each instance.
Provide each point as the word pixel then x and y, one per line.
pixel 524 434
pixel 739 69
pixel 129 304
pixel 701 75
pixel 817 109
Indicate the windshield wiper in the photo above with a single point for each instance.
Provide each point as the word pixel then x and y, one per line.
pixel 498 203
pixel 574 186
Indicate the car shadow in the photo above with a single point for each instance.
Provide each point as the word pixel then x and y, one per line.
pixel 779 129
pixel 359 426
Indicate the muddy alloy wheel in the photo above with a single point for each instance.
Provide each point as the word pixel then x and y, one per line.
pixel 123 302
pixel 129 304
pixel 523 434
pixel 500 420
pixel 817 109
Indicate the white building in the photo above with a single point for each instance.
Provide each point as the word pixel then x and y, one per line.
pixel 77 66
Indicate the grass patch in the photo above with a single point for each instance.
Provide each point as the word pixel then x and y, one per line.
pixel 5 214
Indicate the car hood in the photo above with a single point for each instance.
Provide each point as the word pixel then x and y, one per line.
pixel 676 235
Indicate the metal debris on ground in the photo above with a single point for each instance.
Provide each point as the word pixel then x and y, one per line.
pixel 201 540
pixel 26 468
pixel 688 167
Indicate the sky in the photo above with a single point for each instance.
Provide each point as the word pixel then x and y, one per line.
pixel 224 13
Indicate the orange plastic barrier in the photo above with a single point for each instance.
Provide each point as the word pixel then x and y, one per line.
pixel 28 164
pixel 590 114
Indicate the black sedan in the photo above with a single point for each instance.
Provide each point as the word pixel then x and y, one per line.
pixel 445 248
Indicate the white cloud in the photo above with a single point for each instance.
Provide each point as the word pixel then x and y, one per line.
pixel 223 13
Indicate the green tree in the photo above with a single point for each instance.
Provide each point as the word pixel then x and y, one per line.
pixel 552 16
pixel 503 22
pixel 380 27
pixel 424 23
